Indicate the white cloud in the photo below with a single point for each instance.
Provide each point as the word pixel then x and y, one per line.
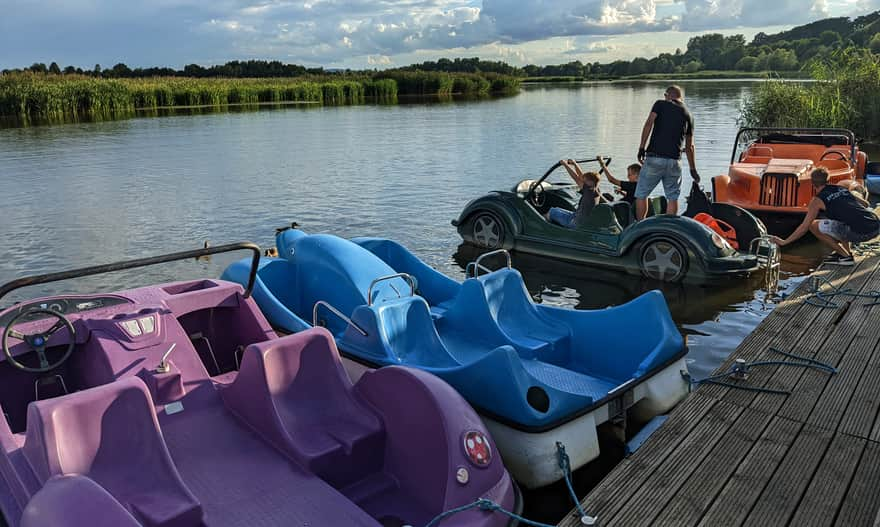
pixel 717 14
pixel 355 33
pixel 379 60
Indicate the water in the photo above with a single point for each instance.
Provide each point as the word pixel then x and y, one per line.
pixel 84 194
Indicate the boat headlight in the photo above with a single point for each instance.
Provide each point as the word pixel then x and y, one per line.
pixel 477 448
pixel 721 243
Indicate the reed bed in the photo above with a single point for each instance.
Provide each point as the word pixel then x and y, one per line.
pixel 54 98
pixel 47 97
pixel 846 94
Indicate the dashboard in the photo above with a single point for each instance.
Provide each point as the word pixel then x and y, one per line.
pixel 62 305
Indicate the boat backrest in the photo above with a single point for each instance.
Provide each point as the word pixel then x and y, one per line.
pixel 623 211
pixel 517 315
pixel 409 335
pixel 433 285
pixel 73 500
pixel 111 435
pixel 291 389
pixel 601 218
pixel 340 272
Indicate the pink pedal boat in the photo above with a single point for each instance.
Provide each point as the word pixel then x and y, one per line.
pixel 177 405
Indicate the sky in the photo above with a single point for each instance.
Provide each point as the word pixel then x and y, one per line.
pixel 380 33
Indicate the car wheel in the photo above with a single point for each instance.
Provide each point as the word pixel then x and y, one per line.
pixel 488 231
pixel 663 259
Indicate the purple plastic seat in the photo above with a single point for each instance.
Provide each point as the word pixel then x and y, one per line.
pixel 73 500
pixel 295 393
pixel 111 435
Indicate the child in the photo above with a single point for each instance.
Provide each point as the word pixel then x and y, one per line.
pixel 587 183
pixel 626 188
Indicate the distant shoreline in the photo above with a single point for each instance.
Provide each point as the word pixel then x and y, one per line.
pixel 700 75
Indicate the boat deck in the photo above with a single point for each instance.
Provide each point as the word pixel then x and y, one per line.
pixel 730 456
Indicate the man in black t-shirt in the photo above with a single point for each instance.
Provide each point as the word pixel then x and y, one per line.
pixel 671 129
pixel 848 220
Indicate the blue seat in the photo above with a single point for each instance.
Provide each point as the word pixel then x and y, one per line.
pixel 484 336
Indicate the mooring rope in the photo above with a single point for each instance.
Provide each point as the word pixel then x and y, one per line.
pixel 825 299
pixel 485 504
pixel 740 370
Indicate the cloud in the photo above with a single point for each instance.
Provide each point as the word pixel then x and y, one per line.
pixel 365 32
pixel 719 14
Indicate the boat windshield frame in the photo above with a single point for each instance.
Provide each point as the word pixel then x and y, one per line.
pixel 809 136
pixel 27 281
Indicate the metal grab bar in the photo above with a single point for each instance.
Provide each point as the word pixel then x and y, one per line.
pixel 467 269
pixel 336 312
pixel 771 257
pixel 477 265
pixel 141 262
pixel 405 276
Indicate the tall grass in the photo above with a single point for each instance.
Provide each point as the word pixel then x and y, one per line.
pixel 48 97
pixel 442 83
pixel 846 94
pixel 53 97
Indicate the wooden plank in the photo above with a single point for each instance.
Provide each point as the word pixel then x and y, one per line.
pixel 830 483
pixel 809 343
pixel 674 471
pixel 863 499
pixel 783 492
pixel 809 324
pixel 862 411
pixel 839 389
pixel 745 486
pixel 825 396
pixel 614 491
pixel 733 457
pixel 698 493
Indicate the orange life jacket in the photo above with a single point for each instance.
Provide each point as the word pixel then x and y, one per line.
pixel 721 227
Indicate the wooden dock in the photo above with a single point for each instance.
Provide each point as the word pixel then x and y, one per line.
pixel 729 456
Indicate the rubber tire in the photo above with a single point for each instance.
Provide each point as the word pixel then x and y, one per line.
pixel 643 247
pixel 501 227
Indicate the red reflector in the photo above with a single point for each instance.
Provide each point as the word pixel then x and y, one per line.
pixel 476 446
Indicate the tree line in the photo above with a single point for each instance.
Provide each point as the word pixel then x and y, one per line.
pixel 785 51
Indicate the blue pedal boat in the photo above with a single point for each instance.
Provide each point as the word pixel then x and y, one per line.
pixel 537 374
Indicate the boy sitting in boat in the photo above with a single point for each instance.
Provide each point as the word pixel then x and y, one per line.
pixel 848 220
pixel 626 188
pixel 588 182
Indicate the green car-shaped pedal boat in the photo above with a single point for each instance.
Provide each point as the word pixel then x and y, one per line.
pixel 662 247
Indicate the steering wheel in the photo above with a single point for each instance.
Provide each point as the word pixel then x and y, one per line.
pixel 842 155
pixel 37 342
pixel 536 195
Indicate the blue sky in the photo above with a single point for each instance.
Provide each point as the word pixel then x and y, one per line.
pixel 380 33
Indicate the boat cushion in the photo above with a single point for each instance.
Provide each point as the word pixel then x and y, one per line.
pixel 295 392
pixel 111 435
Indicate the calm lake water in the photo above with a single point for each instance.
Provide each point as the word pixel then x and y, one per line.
pixel 84 194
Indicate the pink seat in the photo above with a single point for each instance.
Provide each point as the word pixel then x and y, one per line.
pixel 111 435
pixel 295 393
pixel 70 501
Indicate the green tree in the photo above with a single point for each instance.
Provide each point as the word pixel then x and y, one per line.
pixel 747 64
pixel 829 38
pixel 782 60
pixel 97 70
pixel 53 68
pixel 874 44
pixel 692 66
